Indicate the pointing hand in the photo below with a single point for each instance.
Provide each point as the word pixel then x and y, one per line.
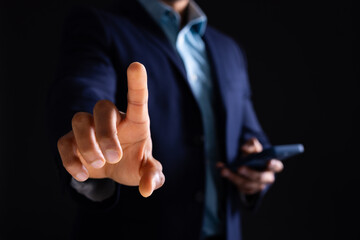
pixel 112 144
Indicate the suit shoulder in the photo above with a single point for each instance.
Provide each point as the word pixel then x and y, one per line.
pixel 224 40
pixel 227 43
pixel 89 13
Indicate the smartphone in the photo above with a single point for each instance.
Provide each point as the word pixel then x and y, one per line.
pixel 258 161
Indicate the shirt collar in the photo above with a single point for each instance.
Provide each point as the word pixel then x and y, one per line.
pixel 160 12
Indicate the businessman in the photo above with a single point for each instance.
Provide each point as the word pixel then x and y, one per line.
pixel 147 91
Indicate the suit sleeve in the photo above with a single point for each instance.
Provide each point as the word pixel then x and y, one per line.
pixel 85 75
pixel 251 126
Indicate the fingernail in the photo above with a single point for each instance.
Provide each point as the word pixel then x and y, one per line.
pixel 273 163
pixel 97 164
pixel 81 176
pixel 112 156
pixel 276 165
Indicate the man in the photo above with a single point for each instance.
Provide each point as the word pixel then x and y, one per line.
pixel 151 60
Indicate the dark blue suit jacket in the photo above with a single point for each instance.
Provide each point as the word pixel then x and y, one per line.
pixel 98 46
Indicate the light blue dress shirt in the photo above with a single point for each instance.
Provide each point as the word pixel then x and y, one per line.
pixel 189 44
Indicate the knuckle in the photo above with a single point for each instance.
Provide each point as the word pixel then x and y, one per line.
pixel 103 104
pixel 63 143
pixel 153 166
pixel 106 132
pixel 158 165
pixel 162 179
pixel 81 118
pixel 86 152
pixel 67 164
pixel 137 102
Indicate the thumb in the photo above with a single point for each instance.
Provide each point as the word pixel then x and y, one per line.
pixel 252 146
pixel 151 177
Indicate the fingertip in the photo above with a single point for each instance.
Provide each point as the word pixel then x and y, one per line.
pixel 148 186
pixel 112 156
pixel 98 163
pixel 82 175
pixel 145 192
pixel 136 67
pixel 276 165
pixel 137 79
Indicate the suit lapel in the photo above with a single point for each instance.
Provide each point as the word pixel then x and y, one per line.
pixel 162 43
pixel 217 66
pixel 139 16
pixel 220 88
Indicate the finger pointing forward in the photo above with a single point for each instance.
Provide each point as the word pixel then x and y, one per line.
pixel 137 109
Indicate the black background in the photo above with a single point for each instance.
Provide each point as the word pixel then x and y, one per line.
pixel 303 75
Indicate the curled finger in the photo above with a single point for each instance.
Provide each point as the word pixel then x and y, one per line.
pixel 71 162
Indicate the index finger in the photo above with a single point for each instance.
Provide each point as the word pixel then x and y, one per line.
pixel 137 108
